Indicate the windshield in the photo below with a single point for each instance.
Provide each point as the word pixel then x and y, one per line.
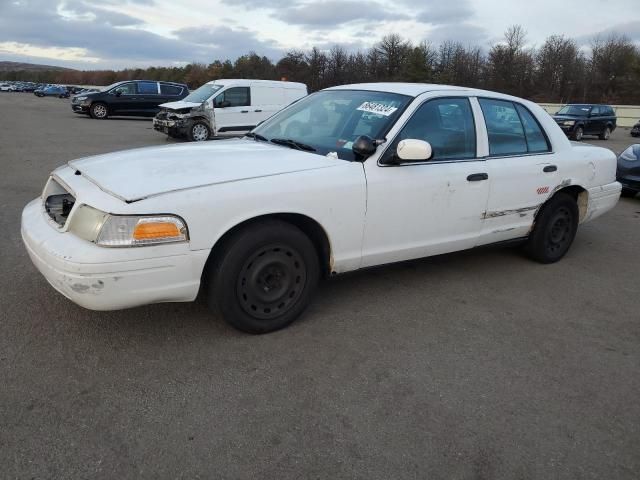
pixel 109 87
pixel 574 110
pixel 203 93
pixel 330 120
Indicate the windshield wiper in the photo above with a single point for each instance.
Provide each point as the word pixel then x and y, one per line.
pixel 293 144
pixel 256 136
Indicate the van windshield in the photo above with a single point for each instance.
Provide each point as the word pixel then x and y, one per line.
pixel 203 93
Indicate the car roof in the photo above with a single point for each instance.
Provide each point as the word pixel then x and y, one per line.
pixel 415 89
pixel 245 82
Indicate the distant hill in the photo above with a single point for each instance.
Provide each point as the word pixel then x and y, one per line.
pixel 31 67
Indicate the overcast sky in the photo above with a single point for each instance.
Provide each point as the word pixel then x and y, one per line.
pixel 91 34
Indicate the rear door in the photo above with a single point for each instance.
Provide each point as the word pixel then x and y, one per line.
pixel 522 169
pixel 595 124
pixel 170 93
pixel 232 108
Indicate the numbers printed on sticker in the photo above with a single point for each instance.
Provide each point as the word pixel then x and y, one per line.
pixel 377 108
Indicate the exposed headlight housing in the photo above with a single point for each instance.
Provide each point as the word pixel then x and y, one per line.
pixel 127 230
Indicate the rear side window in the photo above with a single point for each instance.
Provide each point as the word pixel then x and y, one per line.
pixel 536 139
pixel 147 88
pixel 237 97
pixel 595 111
pixel 506 134
pixel 170 90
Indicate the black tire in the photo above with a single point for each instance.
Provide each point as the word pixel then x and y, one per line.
pixel 554 230
pixel 264 276
pixel 578 133
pixel 99 111
pixel 605 134
pixel 628 193
pixel 199 131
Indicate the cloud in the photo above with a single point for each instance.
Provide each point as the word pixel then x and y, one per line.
pixel 465 34
pixel 233 42
pixel 441 12
pixel 335 12
pixel 631 30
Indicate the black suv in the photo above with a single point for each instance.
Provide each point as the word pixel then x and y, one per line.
pixel 579 120
pixel 139 98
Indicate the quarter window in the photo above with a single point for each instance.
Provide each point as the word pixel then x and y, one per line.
pixel 536 139
pixel 147 88
pixel 447 124
pixel 171 90
pixel 237 97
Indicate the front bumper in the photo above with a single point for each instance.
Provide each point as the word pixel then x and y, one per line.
pixel 88 275
pixel 175 128
pixel 631 182
pixel 602 199
pixel 80 108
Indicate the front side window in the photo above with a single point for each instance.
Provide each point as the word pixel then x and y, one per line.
pixel 447 124
pixel 506 134
pixel 147 88
pixel 234 97
pixel 125 89
pixel 329 121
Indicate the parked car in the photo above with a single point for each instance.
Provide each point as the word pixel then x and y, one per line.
pixel 5 87
pixel 52 91
pixel 226 107
pixel 345 178
pixel 579 120
pixel 628 173
pixel 635 130
pixel 138 98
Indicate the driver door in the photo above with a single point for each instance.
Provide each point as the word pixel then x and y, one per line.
pixel 417 209
pixel 126 101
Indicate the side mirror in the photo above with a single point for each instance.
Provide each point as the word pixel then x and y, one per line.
pixel 225 103
pixel 364 146
pixel 412 150
pixel 118 93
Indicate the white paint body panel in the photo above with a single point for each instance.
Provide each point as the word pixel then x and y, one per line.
pixel 372 213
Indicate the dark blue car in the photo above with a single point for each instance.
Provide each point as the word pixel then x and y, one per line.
pixel 52 91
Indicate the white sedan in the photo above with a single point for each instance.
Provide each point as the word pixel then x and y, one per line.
pixel 346 178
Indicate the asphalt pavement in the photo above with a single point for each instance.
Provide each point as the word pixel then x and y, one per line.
pixel 475 365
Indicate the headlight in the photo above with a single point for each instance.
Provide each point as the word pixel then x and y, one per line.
pixel 127 230
pixel 80 98
pixel 569 123
pixel 631 154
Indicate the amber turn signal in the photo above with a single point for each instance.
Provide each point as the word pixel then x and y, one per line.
pixel 150 230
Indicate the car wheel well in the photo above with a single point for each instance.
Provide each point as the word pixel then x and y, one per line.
pixel 310 227
pixel 580 195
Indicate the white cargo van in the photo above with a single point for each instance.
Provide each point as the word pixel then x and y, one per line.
pixel 226 107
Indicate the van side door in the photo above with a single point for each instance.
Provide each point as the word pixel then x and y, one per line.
pixel 232 111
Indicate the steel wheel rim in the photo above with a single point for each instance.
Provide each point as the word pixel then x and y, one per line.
pixel 200 132
pixel 559 233
pixel 99 111
pixel 271 281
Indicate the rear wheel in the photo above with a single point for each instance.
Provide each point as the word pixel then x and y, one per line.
pixel 99 111
pixel 606 134
pixel 264 277
pixel 555 228
pixel 578 134
pixel 199 132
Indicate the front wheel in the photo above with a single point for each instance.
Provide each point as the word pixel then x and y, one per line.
pixel 99 111
pixel 199 132
pixel 578 134
pixel 554 230
pixel 264 277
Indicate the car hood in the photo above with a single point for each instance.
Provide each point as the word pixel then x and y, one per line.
pixel 133 175
pixel 566 117
pixel 179 105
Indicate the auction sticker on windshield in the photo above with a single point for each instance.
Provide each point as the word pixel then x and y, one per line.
pixel 377 108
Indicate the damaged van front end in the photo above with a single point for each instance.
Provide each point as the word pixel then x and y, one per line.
pixel 186 120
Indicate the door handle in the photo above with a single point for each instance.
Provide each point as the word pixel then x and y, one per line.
pixel 244 111
pixel 549 169
pixel 257 110
pixel 477 177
